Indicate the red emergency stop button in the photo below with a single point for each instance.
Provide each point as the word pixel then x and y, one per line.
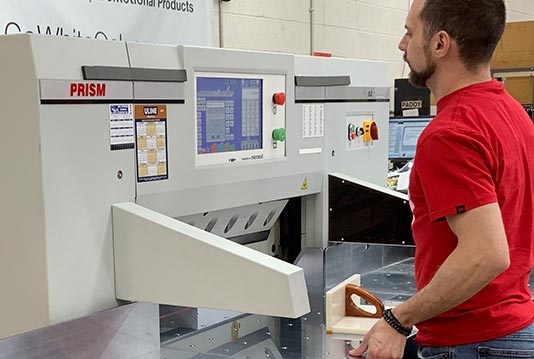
pixel 279 98
pixel 374 131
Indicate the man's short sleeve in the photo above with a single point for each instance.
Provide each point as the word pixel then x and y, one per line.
pixel 454 168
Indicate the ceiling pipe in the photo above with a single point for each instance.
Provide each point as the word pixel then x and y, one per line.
pixel 312 27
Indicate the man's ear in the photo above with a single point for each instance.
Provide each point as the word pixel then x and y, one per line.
pixel 441 44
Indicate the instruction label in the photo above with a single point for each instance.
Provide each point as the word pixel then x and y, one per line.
pixel 313 120
pixel 121 127
pixel 151 142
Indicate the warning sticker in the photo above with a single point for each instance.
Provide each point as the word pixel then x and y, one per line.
pixel 151 142
pixel 304 184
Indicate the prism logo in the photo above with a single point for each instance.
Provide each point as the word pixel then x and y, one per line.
pixel 87 89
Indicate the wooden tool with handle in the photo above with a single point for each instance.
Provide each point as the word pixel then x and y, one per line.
pixel 351 309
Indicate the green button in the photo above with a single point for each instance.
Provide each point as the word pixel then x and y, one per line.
pixel 279 134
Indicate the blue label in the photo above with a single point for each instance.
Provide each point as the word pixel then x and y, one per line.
pixel 120 109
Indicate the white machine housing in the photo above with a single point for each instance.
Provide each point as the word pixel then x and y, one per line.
pixel 71 187
pixel 324 83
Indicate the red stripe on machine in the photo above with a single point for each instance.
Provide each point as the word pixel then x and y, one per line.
pixel 87 89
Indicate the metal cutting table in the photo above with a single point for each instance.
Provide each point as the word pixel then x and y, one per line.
pixel 136 331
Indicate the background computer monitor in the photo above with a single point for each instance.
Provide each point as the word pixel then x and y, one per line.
pixel 403 135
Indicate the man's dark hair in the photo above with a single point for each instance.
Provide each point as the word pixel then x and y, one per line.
pixel 475 25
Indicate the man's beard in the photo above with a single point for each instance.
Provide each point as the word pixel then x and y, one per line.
pixel 420 78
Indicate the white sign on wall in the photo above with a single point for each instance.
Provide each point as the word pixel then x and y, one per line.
pixel 184 22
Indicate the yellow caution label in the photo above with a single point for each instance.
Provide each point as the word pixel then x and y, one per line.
pixel 304 184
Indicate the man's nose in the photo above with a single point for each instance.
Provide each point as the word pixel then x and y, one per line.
pixel 402 44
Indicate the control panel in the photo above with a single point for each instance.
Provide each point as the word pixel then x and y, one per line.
pixel 240 117
pixel 362 131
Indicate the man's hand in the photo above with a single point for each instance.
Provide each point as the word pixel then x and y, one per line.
pixel 381 342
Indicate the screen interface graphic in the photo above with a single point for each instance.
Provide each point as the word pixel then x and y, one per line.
pixel 229 114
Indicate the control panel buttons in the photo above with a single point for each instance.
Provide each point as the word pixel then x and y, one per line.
pixel 279 134
pixel 279 98
pixel 354 131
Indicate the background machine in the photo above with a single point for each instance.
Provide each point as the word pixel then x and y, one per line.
pixel 176 175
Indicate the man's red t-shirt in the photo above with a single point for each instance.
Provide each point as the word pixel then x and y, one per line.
pixel 479 149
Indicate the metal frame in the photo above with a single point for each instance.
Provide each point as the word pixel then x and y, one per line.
pixel 515 72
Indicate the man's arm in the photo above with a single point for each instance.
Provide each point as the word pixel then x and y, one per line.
pixel 480 256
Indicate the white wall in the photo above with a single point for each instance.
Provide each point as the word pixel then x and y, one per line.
pixel 520 10
pixel 367 29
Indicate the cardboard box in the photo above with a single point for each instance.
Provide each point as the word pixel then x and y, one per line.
pixel 516 50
